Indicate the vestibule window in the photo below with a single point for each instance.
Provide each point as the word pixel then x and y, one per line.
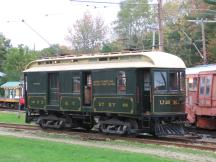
pixel 121 82
pixel 160 80
pixel 182 81
pixel 173 81
pixel 147 81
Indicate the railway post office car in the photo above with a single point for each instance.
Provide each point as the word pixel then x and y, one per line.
pixel 201 96
pixel 120 93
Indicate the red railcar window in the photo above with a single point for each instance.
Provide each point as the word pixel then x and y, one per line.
pixel 208 85
pixel 214 87
pixel 202 86
pixel 193 85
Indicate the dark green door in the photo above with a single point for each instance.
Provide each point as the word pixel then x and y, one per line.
pixel 53 93
pixel 87 95
pixel 143 90
pixel 146 90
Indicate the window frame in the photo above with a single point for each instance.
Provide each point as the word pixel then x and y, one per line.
pixel 121 82
pixel 182 81
pixel 192 87
pixel 202 85
pixel 208 85
pixel 73 84
pixel 177 86
pixel 166 81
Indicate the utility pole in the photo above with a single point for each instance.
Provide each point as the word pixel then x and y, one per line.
pixel 160 24
pixel 204 52
pixel 153 40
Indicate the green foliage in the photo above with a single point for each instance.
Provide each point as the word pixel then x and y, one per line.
pixel 50 51
pixel 213 2
pixel 134 19
pixel 54 50
pixel 210 30
pixel 87 34
pixel 176 42
pixel 111 47
pixel 16 61
pixel 4 46
pixel 178 29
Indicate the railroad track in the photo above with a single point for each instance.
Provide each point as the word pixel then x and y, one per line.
pixel 186 142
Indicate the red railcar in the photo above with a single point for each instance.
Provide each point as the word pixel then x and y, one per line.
pixel 201 96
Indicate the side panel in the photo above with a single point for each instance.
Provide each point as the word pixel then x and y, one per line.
pixel 168 103
pixel 168 91
pixel 36 90
pixel 70 99
pixel 104 82
pixel 191 97
pixel 116 104
pixel 114 91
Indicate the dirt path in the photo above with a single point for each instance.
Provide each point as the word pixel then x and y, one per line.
pixel 152 151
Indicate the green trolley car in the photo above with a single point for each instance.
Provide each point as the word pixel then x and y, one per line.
pixel 119 92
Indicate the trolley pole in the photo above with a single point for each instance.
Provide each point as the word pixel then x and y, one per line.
pixel 160 24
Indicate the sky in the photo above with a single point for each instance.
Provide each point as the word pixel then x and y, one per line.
pixel 47 21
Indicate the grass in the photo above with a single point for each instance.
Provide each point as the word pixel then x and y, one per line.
pixel 28 150
pixel 12 117
pixel 166 148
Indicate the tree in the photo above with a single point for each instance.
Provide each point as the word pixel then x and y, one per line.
pixel 181 35
pixel 50 51
pixel 134 20
pixel 210 32
pixel 213 2
pixel 4 46
pixel 64 50
pixel 87 34
pixel 16 61
pixel 114 46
